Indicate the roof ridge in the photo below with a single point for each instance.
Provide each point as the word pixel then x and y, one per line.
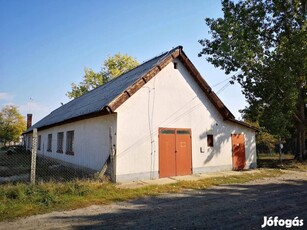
pixel 164 54
pixel 118 90
pixel 103 85
pixel 74 109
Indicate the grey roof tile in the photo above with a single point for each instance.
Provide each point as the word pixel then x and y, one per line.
pixel 95 100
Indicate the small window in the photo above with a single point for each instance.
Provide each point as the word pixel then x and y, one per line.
pixel 167 131
pixel 60 142
pixel 210 140
pixel 39 142
pixel 183 131
pixel 49 143
pixel 70 142
pixel 29 142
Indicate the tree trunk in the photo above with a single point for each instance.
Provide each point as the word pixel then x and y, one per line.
pixel 301 125
pixel 302 95
pixel 280 151
pixel 301 137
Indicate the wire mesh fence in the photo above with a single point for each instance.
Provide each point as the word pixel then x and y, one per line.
pixel 15 166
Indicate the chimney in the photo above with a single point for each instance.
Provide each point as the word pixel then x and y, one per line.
pixel 29 120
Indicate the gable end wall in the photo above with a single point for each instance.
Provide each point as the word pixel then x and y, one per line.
pixel 173 99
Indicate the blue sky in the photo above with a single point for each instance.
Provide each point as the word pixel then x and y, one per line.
pixel 45 45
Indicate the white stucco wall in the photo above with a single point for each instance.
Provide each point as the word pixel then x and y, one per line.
pixel 91 141
pixel 172 99
pixel 28 141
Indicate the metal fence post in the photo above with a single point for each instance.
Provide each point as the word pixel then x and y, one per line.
pixel 33 158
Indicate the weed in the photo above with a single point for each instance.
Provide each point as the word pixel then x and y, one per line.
pixel 23 199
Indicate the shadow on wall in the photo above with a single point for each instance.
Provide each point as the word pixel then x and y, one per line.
pixel 250 150
pixel 210 113
pixel 220 137
pixel 222 134
pixel 219 204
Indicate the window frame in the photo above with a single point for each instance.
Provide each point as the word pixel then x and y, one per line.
pixel 60 142
pixel 210 140
pixel 29 146
pixel 39 142
pixel 70 135
pixel 49 142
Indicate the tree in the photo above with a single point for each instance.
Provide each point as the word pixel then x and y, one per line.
pixel 112 67
pixel 265 141
pixel 263 44
pixel 12 124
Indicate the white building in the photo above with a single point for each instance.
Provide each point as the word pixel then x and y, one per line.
pixel 160 119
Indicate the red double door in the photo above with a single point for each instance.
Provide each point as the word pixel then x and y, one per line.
pixel 175 152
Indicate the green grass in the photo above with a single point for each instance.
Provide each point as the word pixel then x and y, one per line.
pixel 288 162
pixel 24 200
pixel 19 200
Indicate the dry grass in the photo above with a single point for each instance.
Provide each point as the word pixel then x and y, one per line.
pixel 288 162
pixel 24 200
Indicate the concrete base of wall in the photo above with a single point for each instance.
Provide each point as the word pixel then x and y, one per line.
pixel 154 175
pixel 137 176
pixel 220 168
pixel 210 169
pixel 252 165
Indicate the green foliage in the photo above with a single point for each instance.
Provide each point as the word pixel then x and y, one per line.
pixel 118 64
pixel 263 44
pixel 264 140
pixel 112 67
pixel 90 81
pixel 12 124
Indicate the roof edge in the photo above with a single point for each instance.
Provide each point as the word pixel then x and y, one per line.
pixel 214 99
pixel 242 123
pixel 163 61
pixel 171 55
pixel 119 100
pixel 103 112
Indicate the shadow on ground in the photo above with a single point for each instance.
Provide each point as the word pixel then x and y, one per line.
pixel 223 207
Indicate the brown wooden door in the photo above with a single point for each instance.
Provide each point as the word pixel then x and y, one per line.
pixel 238 151
pixel 175 157
pixel 167 148
pixel 183 152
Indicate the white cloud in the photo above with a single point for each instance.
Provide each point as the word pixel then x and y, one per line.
pixel 6 96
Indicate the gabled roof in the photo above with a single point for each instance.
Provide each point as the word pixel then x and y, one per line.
pixel 106 98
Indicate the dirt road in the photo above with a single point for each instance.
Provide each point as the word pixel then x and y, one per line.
pixel 240 206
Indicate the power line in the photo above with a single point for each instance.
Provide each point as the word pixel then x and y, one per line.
pixel 223 88
pixel 221 82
